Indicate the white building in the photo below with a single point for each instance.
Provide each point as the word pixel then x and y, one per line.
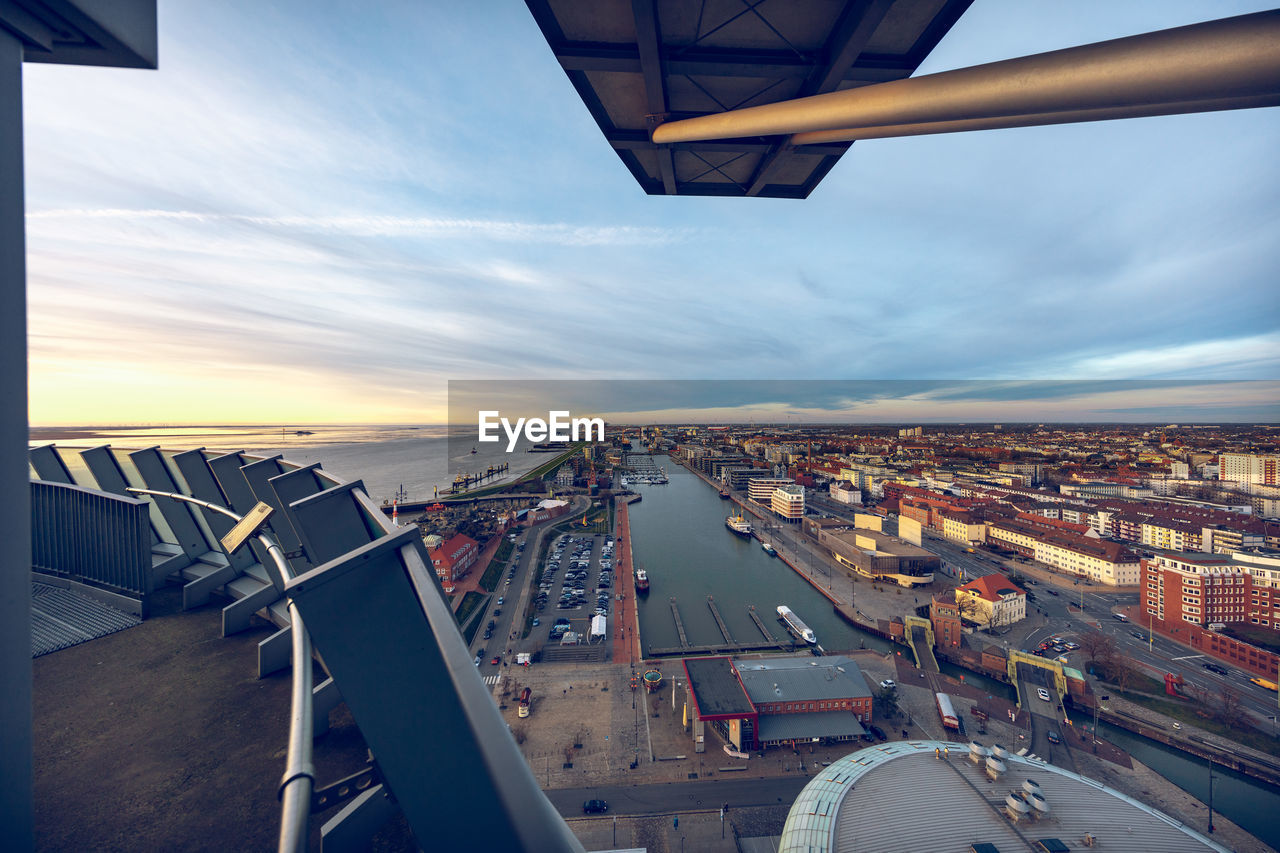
pixel 992 600
pixel 788 502
pixel 845 493
pixel 760 489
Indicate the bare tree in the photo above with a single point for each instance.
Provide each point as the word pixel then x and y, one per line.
pixel 970 608
pixel 1228 708
pixel 1098 647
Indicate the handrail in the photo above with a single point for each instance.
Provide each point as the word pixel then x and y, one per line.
pixel 299 777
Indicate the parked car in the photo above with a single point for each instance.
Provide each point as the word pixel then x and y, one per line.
pixel 888 684
pixel 1051 590
pixel 1053 737
pixel 878 732
pixel 595 806
pixel 1043 694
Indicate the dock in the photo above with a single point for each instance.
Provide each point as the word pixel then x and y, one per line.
pixel 675 611
pixel 720 649
pixel 724 629
pixel 729 646
pixel 755 617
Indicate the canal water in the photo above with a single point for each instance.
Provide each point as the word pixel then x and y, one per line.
pixel 678 535
pixel 1248 802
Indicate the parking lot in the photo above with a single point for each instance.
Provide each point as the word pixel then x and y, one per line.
pixel 575 585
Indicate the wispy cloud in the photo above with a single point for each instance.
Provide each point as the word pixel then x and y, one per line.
pixel 399 226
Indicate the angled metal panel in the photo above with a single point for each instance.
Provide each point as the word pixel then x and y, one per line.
pixel 258 475
pixel 380 622
pixel 156 475
pixel 333 522
pixel 49 465
pixel 194 468
pixel 235 488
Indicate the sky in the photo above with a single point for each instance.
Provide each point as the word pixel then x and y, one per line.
pixel 318 213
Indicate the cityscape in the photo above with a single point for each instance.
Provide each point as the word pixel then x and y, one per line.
pixel 742 425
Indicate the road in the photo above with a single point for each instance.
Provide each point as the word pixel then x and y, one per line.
pixel 669 797
pixel 1063 615
pixel 1046 716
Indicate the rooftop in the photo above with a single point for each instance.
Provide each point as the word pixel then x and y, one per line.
pixel 716 689
pixel 793 678
pixel 900 796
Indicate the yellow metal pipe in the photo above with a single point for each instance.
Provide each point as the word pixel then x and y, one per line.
pixel 1216 61
pixel 851 134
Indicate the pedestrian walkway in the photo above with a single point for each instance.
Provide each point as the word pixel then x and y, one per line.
pixel 626 628
pixel 492 679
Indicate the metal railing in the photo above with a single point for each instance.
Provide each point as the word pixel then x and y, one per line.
pixel 298 782
pixel 86 535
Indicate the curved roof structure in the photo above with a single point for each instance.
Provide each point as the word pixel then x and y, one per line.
pixel 906 796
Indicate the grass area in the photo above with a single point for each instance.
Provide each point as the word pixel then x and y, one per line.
pixel 1137 681
pixel 542 470
pixel 1263 638
pixel 474 628
pixel 1189 713
pixel 493 572
pixel 470 602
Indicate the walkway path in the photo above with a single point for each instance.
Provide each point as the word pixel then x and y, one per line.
pixel 626 623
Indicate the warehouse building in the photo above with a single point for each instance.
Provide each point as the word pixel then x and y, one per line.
pixel 760 702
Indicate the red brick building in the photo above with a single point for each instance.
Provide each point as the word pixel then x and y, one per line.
pixel 944 613
pixel 454 558
pixel 1187 596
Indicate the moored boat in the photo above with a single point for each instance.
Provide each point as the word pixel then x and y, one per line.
pixel 769 549
pixel 795 625
pixel 738 524
pixel 642 580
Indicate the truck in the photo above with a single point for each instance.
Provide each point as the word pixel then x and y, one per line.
pixel 526 698
pixel 946 711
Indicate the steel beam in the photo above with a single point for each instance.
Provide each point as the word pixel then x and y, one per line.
pixel 15 488
pixel 649 43
pixel 1227 64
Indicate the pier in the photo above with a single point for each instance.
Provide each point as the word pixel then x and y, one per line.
pixel 675 611
pixel 729 646
pixel 464 481
pixel 755 617
pixel 720 649
pixel 715 613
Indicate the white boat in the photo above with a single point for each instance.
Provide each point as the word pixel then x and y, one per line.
pixel 768 549
pixel 738 524
pixel 795 626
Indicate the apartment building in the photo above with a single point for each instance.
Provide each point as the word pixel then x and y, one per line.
pixel 787 502
pixel 761 489
pixel 1253 468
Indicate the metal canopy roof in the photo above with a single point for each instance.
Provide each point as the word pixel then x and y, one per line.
pixel 639 63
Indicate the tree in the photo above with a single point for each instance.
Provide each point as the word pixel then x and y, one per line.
pixel 970 608
pixel 1098 647
pixel 887 699
pixel 1228 707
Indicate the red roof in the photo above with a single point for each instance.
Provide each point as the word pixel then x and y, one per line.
pixel 990 587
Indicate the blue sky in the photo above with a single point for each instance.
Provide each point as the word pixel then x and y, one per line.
pixel 318 213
